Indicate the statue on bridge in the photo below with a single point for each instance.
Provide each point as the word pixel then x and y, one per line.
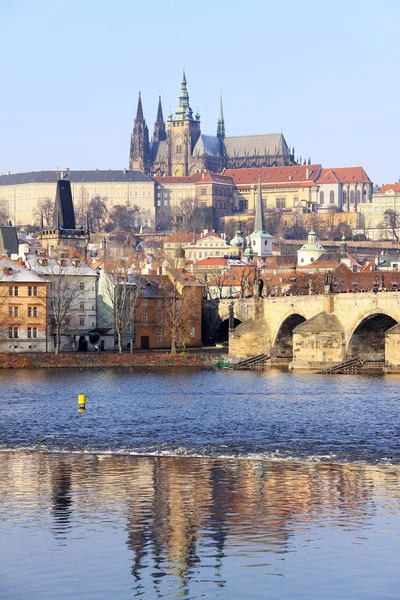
pixel 231 316
pixel 328 282
pixel 260 287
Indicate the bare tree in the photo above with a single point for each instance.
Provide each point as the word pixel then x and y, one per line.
pixel 64 291
pixel 123 217
pixel 4 212
pixel 189 216
pixel 97 213
pixel 81 202
pixel 45 210
pixel 119 292
pixel 392 222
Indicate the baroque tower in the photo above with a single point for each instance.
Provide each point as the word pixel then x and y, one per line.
pixel 139 157
pixel 183 133
pixel 159 133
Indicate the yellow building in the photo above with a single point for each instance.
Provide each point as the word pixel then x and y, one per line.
pixel 24 191
pixel 281 187
pixel 387 198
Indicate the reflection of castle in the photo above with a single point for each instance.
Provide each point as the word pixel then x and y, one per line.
pixel 180 149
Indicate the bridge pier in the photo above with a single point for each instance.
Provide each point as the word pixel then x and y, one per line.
pixel 318 342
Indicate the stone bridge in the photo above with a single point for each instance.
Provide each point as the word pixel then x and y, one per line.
pixel 311 331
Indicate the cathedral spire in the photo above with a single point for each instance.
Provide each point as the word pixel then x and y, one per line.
pixel 139 112
pixel 221 122
pixel 184 112
pixel 160 117
pixel 159 133
pixel 140 150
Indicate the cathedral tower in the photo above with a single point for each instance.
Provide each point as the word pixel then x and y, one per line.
pixel 183 133
pixel 159 133
pixel 139 157
pixel 221 122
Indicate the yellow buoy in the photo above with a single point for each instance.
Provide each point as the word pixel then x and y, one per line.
pixel 82 401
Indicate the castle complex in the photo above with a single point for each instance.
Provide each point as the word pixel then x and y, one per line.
pixel 180 149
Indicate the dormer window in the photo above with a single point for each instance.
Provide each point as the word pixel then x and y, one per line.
pixel 63 262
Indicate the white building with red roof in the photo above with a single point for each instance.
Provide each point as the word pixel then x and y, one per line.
pixel 345 188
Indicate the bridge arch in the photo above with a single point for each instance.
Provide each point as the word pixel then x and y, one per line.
pixel 282 346
pixel 222 332
pixel 367 338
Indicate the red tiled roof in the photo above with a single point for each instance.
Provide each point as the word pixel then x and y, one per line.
pixel 395 187
pixel 345 175
pixel 298 173
pixel 212 261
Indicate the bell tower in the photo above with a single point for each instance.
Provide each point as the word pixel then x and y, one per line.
pixel 183 133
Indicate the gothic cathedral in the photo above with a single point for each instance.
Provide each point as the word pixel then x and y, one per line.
pixel 181 149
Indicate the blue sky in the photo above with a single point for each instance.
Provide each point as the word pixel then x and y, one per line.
pixel 324 73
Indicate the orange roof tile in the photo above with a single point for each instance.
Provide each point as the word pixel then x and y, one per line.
pixel 345 175
pixel 297 173
pixel 395 187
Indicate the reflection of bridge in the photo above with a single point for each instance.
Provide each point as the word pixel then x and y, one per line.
pixel 312 331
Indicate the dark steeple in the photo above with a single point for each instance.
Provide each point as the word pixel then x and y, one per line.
pixel 259 222
pixel 64 215
pixel 221 122
pixel 140 149
pixel 159 133
pixel 139 112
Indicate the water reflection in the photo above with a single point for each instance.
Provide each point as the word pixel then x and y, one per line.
pixel 182 514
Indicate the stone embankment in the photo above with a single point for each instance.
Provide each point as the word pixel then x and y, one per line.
pixel 109 359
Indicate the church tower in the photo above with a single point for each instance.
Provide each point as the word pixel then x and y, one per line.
pixel 221 122
pixel 183 133
pixel 159 133
pixel 139 156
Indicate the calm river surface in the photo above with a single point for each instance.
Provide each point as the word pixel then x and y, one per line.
pixel 198 484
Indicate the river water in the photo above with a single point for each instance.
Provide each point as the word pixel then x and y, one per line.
pixel 198 484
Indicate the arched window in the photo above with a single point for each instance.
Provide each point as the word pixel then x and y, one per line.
pixel 364 196
pixel 344 197
pixel 331 197
pixel 358 197
pixel 321 197
pixel 351 196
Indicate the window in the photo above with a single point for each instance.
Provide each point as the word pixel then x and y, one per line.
pixel 67 321
pixel 13 332
pixel 358 196
pixel 34 332
pixel 280 202
pixel 13 311
pixel 30 290
pixel 14 291
pixel 82 306
pixel 204 191
pixel 159 336
pixel 35 290
pixel 159 317
pixel 321 198
pixel 344 197
pixel 81 285
pixel 192 332
pixel 331 197
pixel 29 311
pixel 29 332
pixel 144 318
pixel 144 303
pixel 352 197
pixel 192 296
pixel 81 320
pixel 364 199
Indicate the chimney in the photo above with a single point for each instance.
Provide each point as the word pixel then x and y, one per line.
pixel 307 173
pixel 192 268
pixel 205 231
pixel 124 171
